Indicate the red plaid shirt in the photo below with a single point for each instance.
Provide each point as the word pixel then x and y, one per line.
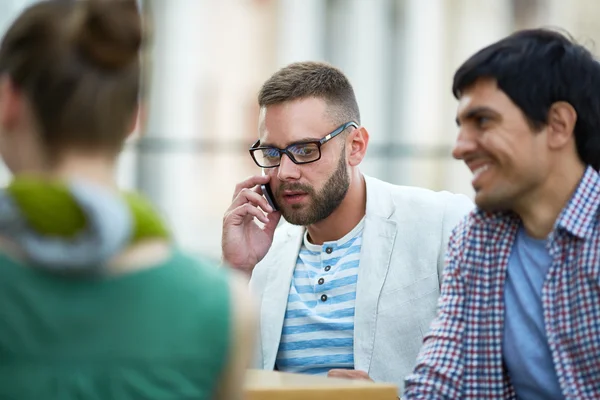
pixel 462 354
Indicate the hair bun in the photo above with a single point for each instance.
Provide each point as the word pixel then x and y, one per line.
pixel 107 33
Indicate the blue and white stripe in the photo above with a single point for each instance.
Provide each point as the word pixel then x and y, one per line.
pixel 318 333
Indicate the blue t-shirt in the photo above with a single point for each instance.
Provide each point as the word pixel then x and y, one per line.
pixel 526 351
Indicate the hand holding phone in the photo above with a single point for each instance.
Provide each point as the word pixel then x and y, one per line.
pixel 245 241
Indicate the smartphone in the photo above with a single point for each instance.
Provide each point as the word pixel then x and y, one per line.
pixel 266 189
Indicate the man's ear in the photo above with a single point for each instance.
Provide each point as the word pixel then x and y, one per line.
pixel 358 141
pixel 561 124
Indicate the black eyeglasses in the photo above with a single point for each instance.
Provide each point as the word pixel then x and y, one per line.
pixel 300 153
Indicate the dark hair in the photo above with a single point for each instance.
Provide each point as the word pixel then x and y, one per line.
pixel 537 68
pixel 77 62
pixel 312 79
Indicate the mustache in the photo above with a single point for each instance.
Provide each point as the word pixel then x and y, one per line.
pixel 294 186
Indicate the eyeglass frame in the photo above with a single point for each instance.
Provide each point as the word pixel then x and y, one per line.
pixel 319 143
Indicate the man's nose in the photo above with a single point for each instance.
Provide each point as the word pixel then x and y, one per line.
pixel 464 144
pixel 287 170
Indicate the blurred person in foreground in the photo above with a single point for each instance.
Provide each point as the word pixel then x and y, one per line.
pixel 520 305
pixel 95 300
pixel 349 281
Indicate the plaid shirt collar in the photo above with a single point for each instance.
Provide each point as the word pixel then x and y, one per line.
pixel 580 213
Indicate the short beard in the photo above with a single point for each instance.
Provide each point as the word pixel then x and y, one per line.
pixel 323 203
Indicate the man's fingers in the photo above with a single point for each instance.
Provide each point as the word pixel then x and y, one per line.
pixel 249 183
pixel 334 373
pixel 348 374
pixel 239 214
pixel 339 373
pixel 251 196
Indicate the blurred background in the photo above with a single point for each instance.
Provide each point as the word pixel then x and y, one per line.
pixel 208 59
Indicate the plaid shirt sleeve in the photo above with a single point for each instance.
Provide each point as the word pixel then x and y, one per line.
pixel 438 373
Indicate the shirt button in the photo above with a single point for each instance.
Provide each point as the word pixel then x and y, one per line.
pixel 328 250
pixel 321 281
pixel 324 297
pixel 327 268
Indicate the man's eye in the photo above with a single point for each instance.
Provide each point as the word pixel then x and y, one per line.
pixel 306 150
pixel 303 150
pixel 271 153
pixel 482 121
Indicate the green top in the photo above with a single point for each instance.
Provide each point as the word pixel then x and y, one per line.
pixel 158 333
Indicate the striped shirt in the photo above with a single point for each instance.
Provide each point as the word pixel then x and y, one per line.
pixel 318 329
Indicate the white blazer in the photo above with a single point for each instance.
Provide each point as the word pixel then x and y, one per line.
pixel 403 246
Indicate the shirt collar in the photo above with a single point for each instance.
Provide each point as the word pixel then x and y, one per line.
pixel 579 215
pixel 336 243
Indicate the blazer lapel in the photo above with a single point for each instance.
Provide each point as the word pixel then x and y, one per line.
pixel 274 301
pixel 378 242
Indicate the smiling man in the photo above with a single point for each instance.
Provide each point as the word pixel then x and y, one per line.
pixel 349 282
pixel 520 304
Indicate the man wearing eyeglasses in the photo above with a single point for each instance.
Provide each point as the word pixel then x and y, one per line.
pixel 349 282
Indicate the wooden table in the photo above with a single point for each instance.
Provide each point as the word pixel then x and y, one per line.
pixel 274 385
